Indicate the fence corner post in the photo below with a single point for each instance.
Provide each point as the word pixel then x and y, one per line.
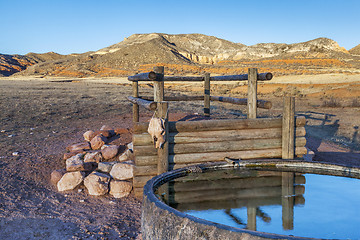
pixel 207 94
pixel 288 128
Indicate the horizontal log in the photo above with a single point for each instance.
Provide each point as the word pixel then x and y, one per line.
pixel 242 101
pixel 138 192
pixel 181 160
pixel 222 194
pixel 148 170
pixel 142 102
pixel 176 98
pixel 250 144
pixel 261 76
pixel 140 181
pixel 234 203
pixel 216 136
pixel 183 78
pixel 227 124
pixel 148 76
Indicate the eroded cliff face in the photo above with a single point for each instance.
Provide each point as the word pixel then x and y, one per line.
pixel 140 51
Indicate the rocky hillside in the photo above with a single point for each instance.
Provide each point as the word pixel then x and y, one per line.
pixel 10 64
pixel 355 50
pixel 196 53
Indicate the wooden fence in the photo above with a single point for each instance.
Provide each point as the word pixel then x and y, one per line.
pixel 189 143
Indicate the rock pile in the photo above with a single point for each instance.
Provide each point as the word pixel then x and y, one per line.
pixel 97 164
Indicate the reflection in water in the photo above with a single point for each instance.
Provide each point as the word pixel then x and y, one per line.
pixel 255 200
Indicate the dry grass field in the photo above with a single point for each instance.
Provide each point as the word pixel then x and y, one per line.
pixel 41 116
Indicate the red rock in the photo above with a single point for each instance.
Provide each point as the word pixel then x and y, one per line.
pixel 121 131
pixel 78 147
pixel 97 142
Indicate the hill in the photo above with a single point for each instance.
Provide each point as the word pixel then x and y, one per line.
pixel 355 50
pixel 195 53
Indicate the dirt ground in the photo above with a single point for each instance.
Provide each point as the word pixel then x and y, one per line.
pixel 40 117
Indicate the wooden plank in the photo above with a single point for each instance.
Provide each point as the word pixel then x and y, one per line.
pixel 140 181
pixel 148 76
pixel 183 160
pixel 144 139
pixel 138 192
pixel 252 93
pixel 197 158
pixel 135 92
pixel 288 125
pixel 144 103
pixel 145 170
pixel 227 124
pixel 146 160
pixel 242 101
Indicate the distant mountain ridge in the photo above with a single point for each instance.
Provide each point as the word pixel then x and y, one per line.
pixel 139 51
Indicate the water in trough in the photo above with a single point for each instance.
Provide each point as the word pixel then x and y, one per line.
pixel 285 203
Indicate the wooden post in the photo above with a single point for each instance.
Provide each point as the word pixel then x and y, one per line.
pixel 159 84
pixel 161 112
pixel 163 153
pixel 288 128
pixel 287 200
pixel 207 95
pixel 251 218
pixel 252 93
pixel 135 92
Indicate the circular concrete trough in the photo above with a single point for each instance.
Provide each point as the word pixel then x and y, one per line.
pixel 160 221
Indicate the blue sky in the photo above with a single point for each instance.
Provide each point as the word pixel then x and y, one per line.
pixel 76 26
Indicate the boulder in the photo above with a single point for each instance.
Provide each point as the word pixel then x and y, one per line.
pixel 70 180
pixel 127 155
pixel 120 189
pixel 105 166
pixel 94 156
pixel 56 175
pixel 88 135
pixel 75 163
pixel 70 154
pixel 97 183
pixel 122 171
pixel 97 142
pixel 110 152
pixel 130 146
pixel 78 147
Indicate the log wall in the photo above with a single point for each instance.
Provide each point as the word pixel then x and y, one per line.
pixel 213 140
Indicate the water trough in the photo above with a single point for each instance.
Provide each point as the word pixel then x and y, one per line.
pixel 168 216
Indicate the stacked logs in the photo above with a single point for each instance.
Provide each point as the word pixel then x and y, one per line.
pixel 212 140
pixel 97 164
